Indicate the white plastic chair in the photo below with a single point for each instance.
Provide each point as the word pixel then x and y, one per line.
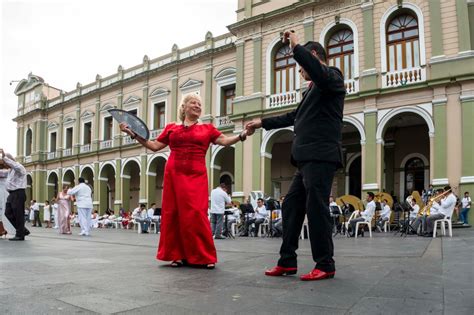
pixel 386 225
pixel 263 227
pixel 368 222
pixel 447 219
pixel 353 215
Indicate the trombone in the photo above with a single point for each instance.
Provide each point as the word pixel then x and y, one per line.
pixel 426 209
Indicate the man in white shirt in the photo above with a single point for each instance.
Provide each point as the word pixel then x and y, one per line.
pixel 465 207
pixel 384 215
pixel 16 185
pixel 219 199
pixel 36 216
pixel 258 217
pixel 365 216
pixel 83 195
pixel 445 210
pixel 414 220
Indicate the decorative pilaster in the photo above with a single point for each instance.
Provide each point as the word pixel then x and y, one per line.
pixel 308 25
pixel 439 143
pixel 239 86
pixel 436 29
pixel 96 135
pixel 174 98
pixel 97 187
pixel 372 152
pixel 208 92
pixel 257 64
pixel 143 182
pixel 118 186
pixel 117 133
pixel 256 161
pixel 464 36
pixel 238 171
pixel 368 80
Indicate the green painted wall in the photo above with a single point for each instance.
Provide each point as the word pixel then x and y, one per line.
pixel 143 181
pixel 309 32
pixel 370 148
pixel 256 164
pixel 174 98
pixel 239 167
pixel 464 36
pixel 239 76
pixel 118 186
pixel 257 65
pixel 436 29
pixel 467 108
pixel 208 91
pixel 369 47
pixel 440 154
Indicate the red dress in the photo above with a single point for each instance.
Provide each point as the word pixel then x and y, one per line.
pixel 185 229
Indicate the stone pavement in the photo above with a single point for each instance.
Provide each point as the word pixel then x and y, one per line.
pixel 115 271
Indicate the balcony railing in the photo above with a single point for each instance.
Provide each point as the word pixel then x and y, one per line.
pixel 155 133
pixel 352 86
pixel 85 148
pixel 283 99
pixel 403 77
pixel 28 159
pixel 128 140
pixel 106 144
pixel 51 155
pixel 222 121
pixel 67 152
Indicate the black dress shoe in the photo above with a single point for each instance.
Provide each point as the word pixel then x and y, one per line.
pixel 17 238
pixel 27 232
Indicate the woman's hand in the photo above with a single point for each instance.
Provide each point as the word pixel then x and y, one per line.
pixel 124 128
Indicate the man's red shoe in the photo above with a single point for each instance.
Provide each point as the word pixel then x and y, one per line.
pixel 280 271
pixel 317 274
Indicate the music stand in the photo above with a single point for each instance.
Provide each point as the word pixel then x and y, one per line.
pixel 271 205
pixel 246 210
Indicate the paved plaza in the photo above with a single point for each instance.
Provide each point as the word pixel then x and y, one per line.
pixel 115 271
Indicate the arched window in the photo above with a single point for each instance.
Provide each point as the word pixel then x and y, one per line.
pixel 414 175
pixel 403 47
pixel 284 71
pixel 340 51
pixel 28 142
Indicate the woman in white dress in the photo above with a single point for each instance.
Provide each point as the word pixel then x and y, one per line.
pixel 47 214
pixel 54 206
pixel 3 200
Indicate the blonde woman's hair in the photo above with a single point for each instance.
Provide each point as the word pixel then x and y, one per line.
pixel 186 98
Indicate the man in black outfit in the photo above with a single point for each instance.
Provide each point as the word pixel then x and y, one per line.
pixel 316 152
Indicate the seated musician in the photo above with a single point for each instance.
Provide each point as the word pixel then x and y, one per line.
pixel 258 217
pixel 446 208
pixel 384 215
pixel 365 216
pixel 232 218
pixel 420 219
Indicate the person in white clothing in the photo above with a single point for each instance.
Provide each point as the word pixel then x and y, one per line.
pixel 465 207
pixel 219 199
pixel 365 216
pixel 83 194
pixel 384 215
pixel 257 218
pixel 445 210
pixel 55 206
pixel 47 214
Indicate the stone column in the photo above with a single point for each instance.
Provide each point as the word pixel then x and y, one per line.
pixel 436 29
pixel 77 131
pixel 97 186
pixel 238 171
pixel 96 134
pixel 467 179
pixel 118 202
pixel 257 63
pixel 174 98
pixel 308 25
pixel 143 196
pixel 208 92
pixel 464 36
pixel 239 86
pixel 440 176
pixel 117 133
pixel 372 152
pixel 368 77
pixel 256 160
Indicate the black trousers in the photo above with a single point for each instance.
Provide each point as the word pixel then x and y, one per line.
pixel 37 221
pixel 309 194
pixel 15 210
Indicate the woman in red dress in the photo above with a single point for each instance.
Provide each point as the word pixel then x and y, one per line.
pixel 185 230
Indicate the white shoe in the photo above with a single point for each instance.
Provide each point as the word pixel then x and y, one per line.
pixel 82 234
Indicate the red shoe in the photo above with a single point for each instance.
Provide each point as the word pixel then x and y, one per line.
pixel 317 274
pixel 280 271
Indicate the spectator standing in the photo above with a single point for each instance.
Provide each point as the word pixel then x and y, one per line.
pixel 466 206
pixel 219 199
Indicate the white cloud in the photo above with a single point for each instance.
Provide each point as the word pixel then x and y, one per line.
pixel 66 42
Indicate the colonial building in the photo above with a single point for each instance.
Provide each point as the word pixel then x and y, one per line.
pixel 408 118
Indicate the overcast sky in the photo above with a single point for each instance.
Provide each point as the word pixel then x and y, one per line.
pixel 71 41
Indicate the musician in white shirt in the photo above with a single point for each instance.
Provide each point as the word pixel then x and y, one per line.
pixel 384 215
pixel 446 209
pixel 258 217
pixel 367 215
pixel 83 195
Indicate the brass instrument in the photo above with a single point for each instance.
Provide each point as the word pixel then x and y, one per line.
pixel 426 209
